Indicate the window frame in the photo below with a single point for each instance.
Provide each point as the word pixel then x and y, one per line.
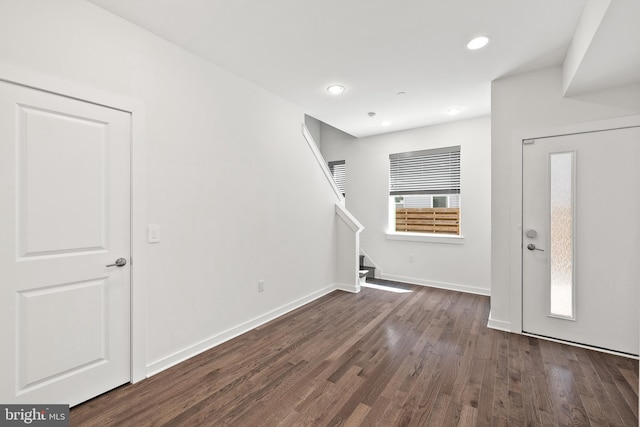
pixel 339 175
pixel 420 178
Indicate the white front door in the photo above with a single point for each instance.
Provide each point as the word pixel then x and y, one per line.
pixel 64 216
pixel 581 238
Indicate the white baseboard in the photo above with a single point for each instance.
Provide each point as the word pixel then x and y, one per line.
pixel 354 289
pixel 440 285
pixel 182 355
pixel 499 325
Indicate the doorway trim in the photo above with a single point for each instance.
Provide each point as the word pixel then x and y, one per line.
pixel 136 108
pixel 515 224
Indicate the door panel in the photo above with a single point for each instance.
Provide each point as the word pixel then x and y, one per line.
pixel 65 212
pixel 580 277
pixel 42 348
pixel 48 143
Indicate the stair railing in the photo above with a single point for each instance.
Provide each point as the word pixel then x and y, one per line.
pixel 348 229
pixel 321 162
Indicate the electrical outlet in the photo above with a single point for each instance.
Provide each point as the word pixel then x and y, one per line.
pixel 260 285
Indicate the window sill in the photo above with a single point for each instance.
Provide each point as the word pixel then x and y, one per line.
pixel 426 237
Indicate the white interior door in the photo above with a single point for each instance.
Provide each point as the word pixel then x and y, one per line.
pixel 64 216
pixel 581 238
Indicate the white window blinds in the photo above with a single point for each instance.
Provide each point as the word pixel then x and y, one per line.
pixel 339 171
pixel 425 172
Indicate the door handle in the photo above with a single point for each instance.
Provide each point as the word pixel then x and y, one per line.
pixel 120 262
pixel 532 247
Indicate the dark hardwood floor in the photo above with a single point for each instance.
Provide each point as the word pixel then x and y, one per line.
pixel 379 358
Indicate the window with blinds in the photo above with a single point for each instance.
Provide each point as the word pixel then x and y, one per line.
pixel 339 172
pixel 424 190
pixel 425 172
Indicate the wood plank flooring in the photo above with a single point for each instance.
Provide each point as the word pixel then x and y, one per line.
pixel 380 358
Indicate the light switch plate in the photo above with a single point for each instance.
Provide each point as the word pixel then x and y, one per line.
pixel 153 233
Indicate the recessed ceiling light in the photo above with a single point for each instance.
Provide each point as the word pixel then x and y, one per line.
pixel 335 89
pixel 385 124
pixel 371 114
pixel 478 43
pixel 453 111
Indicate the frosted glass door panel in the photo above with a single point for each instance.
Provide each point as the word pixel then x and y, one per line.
pixel 561 234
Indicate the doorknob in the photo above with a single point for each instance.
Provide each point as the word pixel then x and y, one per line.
pixel 120 262
pixel 532 247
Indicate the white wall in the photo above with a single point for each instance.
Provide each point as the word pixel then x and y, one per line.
pixel 520 105
pixel 464 267
pixel 347 271
pixel 230 180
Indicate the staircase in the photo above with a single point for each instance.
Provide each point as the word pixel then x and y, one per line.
pixel 370 270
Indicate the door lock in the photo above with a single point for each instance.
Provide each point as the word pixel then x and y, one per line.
pixel 120 262
pixel 532 247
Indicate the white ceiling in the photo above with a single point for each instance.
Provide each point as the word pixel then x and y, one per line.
pixel 375 48
pixel 612 57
